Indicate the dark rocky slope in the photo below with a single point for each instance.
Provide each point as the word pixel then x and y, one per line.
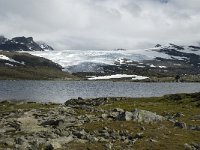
pixel 22 44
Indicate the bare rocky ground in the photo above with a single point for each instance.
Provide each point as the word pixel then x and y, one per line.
pixel 169 122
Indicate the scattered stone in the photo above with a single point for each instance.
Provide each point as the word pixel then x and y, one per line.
pixel 178 115
pixel 55 128
pixel 109 145
pixel 194 127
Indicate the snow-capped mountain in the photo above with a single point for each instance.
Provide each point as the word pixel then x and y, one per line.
pixel 22 44
pixel 44 46
pixel 167 58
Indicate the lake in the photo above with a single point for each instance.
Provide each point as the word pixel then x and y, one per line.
pixel 60 91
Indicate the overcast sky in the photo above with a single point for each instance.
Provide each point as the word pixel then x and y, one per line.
pixel 102 24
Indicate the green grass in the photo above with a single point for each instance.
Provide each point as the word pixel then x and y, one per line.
pixel 12 106
pixel 33 73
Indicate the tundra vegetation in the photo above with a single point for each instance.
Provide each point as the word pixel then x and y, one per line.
pixel 168 122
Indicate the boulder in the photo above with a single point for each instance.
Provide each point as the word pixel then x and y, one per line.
pixel 180 125
pixel 146 116
pixel 125 116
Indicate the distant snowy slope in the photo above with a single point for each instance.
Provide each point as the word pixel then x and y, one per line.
pixel 70 58
pixel 92 60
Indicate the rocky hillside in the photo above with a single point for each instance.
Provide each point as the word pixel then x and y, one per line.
pixel 170 60
pixel 169 122
pixel 17 65
pixel 22 44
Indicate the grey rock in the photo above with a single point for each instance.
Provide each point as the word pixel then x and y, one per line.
pixel 104 133
pixel 8 141
pixel 118 110
pixel 20 140
pixel 187 146
pixel 137 115
pixel 24 146
pixel 114 115
pixel 49 147
pixel 146 116
pixel 80 134
pixel 102 139
pixel 53 123
pixel 81 141
pixel 154 141
pixel 104 116
pixel 180 125
pixel 193 146
pixel 109 145
pixel 125 116
pixel 178 114
pixel 192 127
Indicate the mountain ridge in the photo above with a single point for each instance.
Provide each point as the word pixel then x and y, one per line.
pixel 22 44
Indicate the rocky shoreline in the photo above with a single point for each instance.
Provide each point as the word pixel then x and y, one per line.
pixel 102 123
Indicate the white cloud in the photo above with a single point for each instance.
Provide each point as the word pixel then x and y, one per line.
pixel 102 24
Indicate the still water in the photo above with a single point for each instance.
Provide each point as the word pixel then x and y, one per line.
pixel 60 91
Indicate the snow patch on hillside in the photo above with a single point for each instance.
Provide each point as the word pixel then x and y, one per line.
pixel 3 57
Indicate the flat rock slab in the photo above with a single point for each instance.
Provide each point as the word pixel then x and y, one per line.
pixel 30 124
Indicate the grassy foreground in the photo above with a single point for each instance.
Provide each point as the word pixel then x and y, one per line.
pixel 182 108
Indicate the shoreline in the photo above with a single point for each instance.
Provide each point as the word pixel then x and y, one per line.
pixel 131 81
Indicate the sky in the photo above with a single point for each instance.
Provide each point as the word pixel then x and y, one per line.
pixel 102 24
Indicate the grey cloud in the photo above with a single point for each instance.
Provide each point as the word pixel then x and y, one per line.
pixel 102 24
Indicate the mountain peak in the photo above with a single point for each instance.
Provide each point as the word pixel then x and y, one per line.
pixel 22 44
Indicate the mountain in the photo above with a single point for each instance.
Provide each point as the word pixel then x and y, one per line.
pixel 160 61
pixel 22 44
pixel 3 40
